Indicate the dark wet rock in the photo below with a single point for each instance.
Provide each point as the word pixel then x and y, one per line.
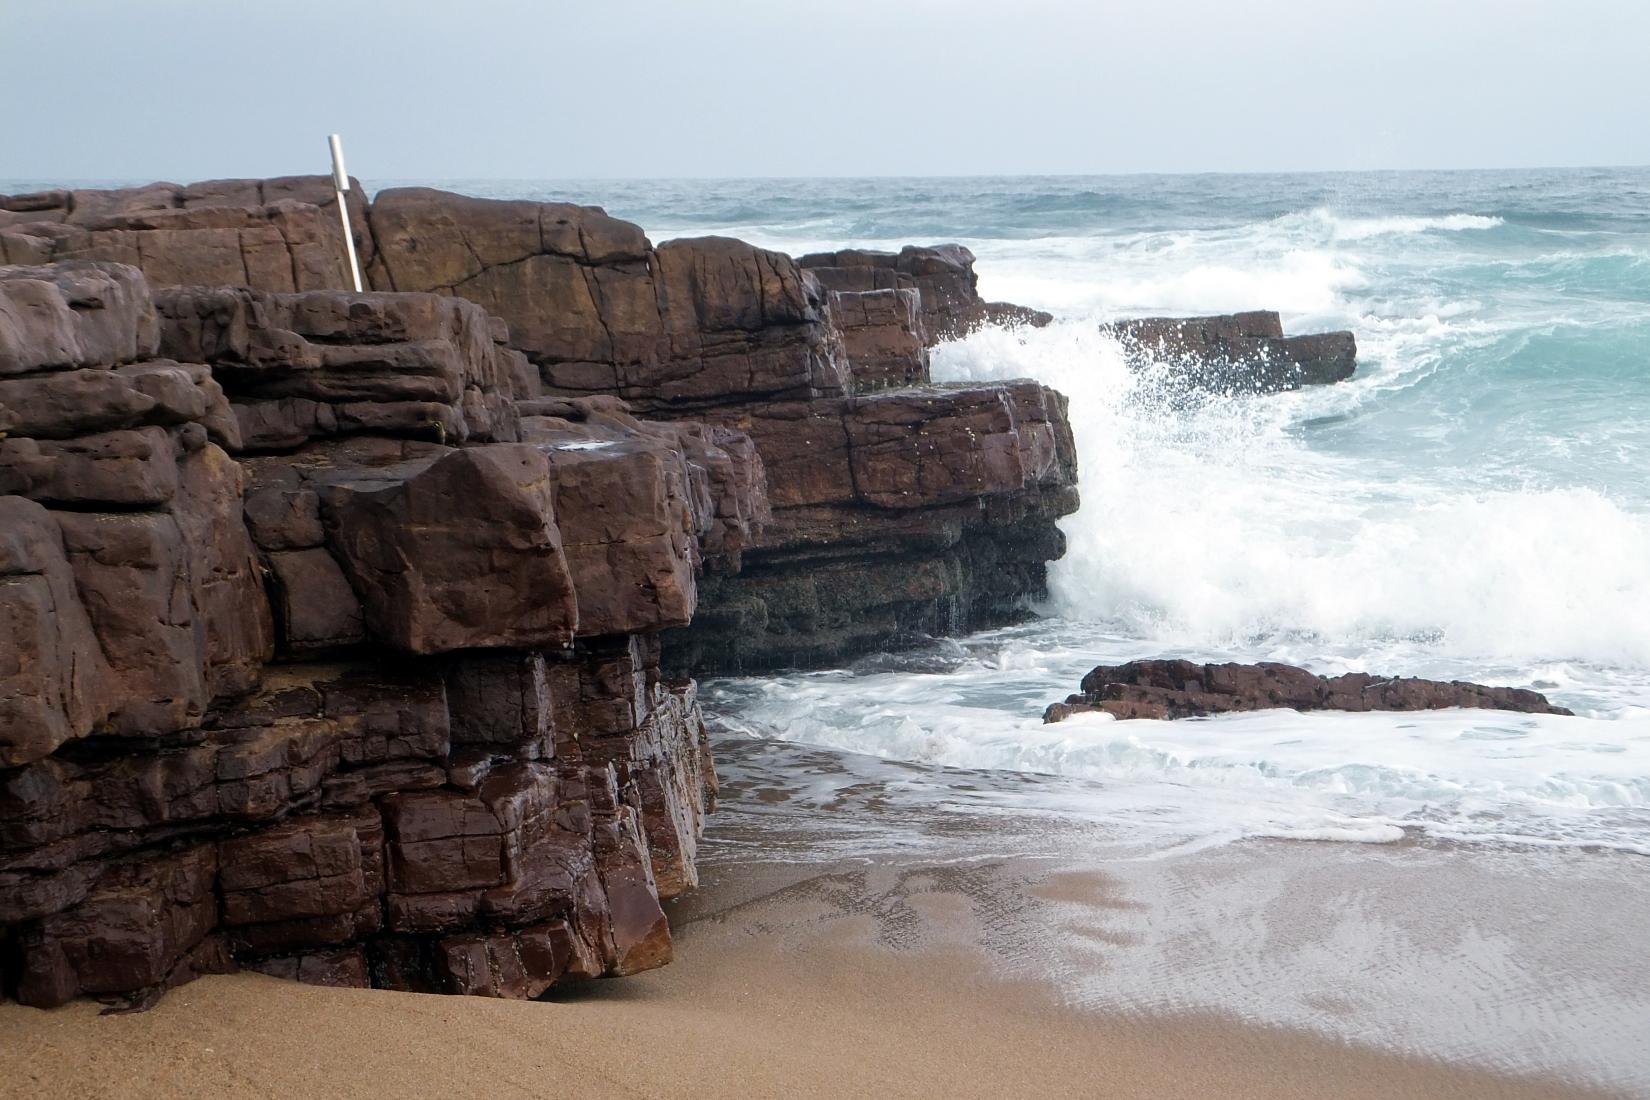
pixel 1240 352
pixel 919 655
pixel 928 510
pixel 1167 689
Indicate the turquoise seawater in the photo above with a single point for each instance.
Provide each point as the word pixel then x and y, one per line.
pixel 1474 503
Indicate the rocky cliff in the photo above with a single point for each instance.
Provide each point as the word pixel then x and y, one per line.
pixel 899 507
pixel 292 680
pixel 334 623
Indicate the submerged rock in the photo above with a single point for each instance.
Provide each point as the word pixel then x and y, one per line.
pixel 1167 689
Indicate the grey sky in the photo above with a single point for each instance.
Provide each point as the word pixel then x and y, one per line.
pixel 190 89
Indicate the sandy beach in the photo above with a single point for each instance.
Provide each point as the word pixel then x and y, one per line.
pixel 804 971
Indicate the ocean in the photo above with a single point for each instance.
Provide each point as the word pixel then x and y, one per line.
pixel 1473 504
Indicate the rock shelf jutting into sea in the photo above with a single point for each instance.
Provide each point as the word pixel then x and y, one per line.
pixel 349 632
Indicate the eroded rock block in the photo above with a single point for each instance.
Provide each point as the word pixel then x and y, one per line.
pixel 135 931
pixel 1240 352
pixel 81 314
pixel 883 334
pixel 462 554
pixel 55 683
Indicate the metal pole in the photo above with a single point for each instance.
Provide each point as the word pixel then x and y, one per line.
pixel 340 181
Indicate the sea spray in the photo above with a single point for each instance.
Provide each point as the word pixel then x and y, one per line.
pixel 1210 519
pixel 1472 504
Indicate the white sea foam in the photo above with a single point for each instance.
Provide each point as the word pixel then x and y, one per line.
pixel 1344 228
pixel 1208 522
pixel 1420 519
pixel 1471 775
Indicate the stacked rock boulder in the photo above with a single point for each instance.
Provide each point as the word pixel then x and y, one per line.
pixel 334 623
pixel 942 276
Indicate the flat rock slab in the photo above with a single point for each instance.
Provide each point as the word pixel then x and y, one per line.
pixel 1185 689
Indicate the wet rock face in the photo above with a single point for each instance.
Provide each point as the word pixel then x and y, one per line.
pixel 1182 689
pixel 1240 352
pixel 922 511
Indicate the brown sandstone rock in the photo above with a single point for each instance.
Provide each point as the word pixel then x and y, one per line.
pixel 431 578
pixel 278 234
pixel 80 314
pixel 491 726
pixel 134 932
pixel 883 335
pixel 943 275
pixel 1166 689
pixel 131 468
pixel 55 684
pixel 1241 352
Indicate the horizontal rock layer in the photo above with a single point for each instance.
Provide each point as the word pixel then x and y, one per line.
pixel 335 622
pixel 943 277
pixel 329 645
pixel 1167 689
pixel 901 508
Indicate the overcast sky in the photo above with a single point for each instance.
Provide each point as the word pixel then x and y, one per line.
pixel 444 89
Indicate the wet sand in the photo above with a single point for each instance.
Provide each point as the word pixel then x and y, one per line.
pixel 949 955
pixel 735 1016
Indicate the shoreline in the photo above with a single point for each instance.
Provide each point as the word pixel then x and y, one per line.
pixel 914 968
pixel 711 1029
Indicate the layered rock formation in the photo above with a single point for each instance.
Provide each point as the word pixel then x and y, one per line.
pixel 334 622
pixel 277 234
pixel 290 679
pixel 1239 352
pixel 899 507
pixel 1166 689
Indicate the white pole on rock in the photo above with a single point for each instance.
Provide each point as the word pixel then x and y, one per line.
pixel 340 181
